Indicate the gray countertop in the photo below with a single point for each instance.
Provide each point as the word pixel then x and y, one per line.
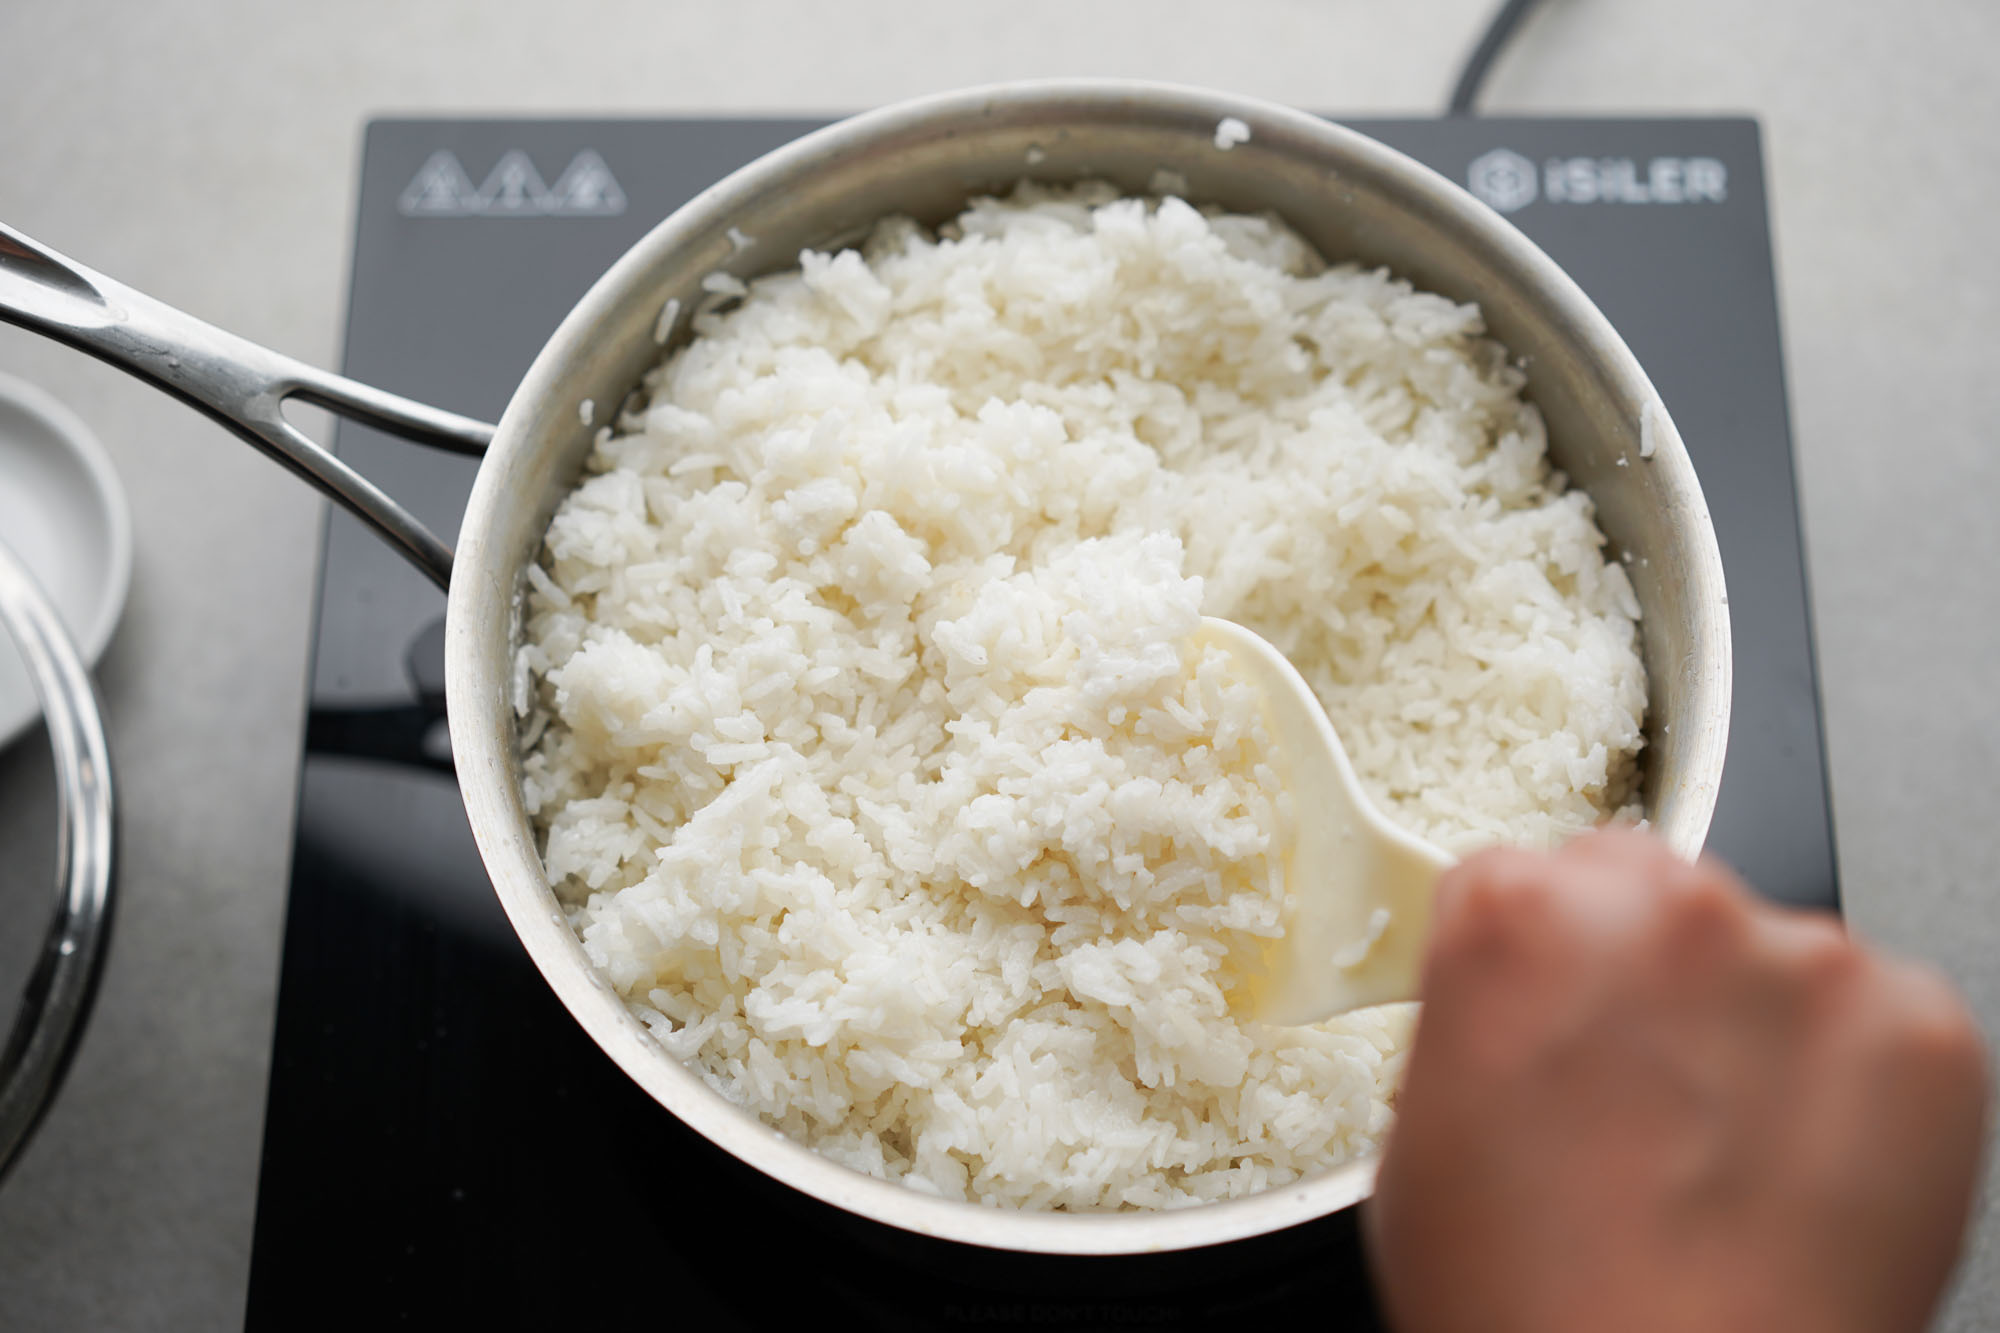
pixel 206 153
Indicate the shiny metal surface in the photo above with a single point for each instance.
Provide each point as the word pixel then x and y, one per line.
pixel 240 384
pixel 56 1001
pixel 1350 196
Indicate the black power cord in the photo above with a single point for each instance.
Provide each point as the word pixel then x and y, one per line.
pixel 1498 33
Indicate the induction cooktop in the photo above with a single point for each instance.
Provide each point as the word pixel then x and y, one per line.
pixel 444 1147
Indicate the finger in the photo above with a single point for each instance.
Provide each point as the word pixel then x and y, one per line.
pixel 1700 905
pixel 1938 1029
pixel 1487 873
pixel 1481 906
pixel 1632 850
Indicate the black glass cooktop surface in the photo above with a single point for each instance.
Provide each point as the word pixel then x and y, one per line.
pixel 446 1148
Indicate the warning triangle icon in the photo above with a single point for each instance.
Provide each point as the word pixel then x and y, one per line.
pixel 440 187
pixel 586 188
pixel 513 189
pixel 514 186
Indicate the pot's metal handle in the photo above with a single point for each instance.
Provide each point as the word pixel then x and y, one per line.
pixel 58 994
pixel 240 384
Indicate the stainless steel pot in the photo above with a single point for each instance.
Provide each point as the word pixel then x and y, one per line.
pixel 1350 196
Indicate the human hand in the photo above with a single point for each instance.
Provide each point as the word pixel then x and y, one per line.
pixel 1640 1099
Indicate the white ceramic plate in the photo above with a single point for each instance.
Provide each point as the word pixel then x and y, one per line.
pixel 63 513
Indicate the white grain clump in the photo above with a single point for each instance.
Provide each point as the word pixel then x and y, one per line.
pixel 724 284
pixel 1229 131
pixel 663 327
pixel 1653 424
pixel 875 771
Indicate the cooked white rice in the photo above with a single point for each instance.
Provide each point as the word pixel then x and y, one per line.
pixel 874 769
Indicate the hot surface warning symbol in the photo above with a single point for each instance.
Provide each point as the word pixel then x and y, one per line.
pixel 512 189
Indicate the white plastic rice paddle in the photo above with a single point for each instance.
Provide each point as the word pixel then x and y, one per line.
pixel 1357 888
